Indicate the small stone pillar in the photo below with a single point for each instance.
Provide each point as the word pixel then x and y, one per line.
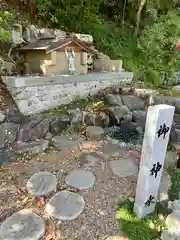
pixel 156 137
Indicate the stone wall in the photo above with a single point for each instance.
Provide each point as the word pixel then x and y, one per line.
pixel 36 94
pixel 122 119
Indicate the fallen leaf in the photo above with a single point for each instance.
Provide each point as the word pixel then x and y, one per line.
pixel 48 236
pixel 25 200
pixel 42 202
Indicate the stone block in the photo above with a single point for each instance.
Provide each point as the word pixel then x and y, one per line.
pixel 156 137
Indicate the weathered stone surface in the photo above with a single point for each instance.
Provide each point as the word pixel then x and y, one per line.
pixel 33 147
pixel 133 102
pixel 175 136
pixel 177 120
pixel 41 184
pixel 139 117
pixel 123 168
pixel 76 116
pixel 22 225
pixel 6 155
pixel 65 205
pixel 161 99
pixel 121 113
pixel 62 142
pixel 173 223
pixel 101 119
pixel 112 150
pixel 168 236
pixel 144 93
pixel 48 136
pixel 80 178
pixel 164 187
pixel 8 134
pixel 2 117
pixel 59 123
pixel 114 100
pixel 15 116
pixel 95 133
pixel 46 92
pixel 175 206
pixel 170 159
pixel 33 130
pixel 90 159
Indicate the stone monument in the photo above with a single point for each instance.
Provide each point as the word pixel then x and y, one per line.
pixel 156 137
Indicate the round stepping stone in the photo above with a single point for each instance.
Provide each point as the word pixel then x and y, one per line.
pixel 123 168
pixel 80 178
pixel 90 159
pixel 41 184
pixel 22 225
pixel 65 205
pixel 112 150
pixel 95 133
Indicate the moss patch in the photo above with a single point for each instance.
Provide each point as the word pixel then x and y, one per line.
pixel 136 229
pixel 175 187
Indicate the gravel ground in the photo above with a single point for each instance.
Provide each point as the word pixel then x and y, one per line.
pixel 97 221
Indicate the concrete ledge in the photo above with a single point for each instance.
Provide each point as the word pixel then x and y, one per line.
pixel 26 81
pixel 36 94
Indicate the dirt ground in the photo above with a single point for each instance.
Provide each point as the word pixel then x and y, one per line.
pixel 97 221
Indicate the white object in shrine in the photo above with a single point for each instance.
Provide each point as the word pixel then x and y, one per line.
pixel 71 62
pixel 156 137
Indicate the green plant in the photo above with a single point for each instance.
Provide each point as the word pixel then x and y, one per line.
pixel 136 229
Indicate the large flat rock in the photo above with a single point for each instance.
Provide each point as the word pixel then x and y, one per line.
pixel 123 168
pixel 65 205
pixel 22 225
pixel 80 178
pixel 41 184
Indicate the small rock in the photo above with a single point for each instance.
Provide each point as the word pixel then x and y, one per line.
pixel 29 133
pixel 95 133
pixel 14 116
pixel 76 116
pixel 166 235
pixel 48 136
pixel 175 206
pixel 41 184
pixel 139 117
pixel 2 117
pixel 114 100
pixel 170 159
pixel 59 123
pixel 65 205
pixel 8 134
pixel 133 102
pixel 173 223
pixel 6 155
pixel 22 225
pixel 101 119
pixel 33 147
pixel 121 113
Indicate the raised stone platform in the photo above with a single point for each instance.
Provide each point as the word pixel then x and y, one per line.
pixel 34 94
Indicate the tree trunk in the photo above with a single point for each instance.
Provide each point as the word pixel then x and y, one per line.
pixel 138 16
pixel 124 9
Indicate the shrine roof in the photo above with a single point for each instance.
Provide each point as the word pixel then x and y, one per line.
pixel 50 45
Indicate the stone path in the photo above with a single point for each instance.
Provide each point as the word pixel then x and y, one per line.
pixel 81 187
